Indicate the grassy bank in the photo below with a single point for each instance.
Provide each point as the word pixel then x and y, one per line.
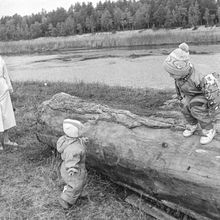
pixel 30 183
pixel 120 39
pixel 139 101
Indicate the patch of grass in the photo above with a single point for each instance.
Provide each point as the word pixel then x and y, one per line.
pixel 31 185
pixel 30 179
pixel 147 37
pixel 29 95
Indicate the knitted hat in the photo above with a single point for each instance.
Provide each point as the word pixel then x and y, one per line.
pixel 177 62
pixel 71 127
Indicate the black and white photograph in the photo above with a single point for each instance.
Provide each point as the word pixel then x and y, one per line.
pixel 109 109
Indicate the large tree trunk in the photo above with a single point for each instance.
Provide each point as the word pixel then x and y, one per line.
pixel 146 154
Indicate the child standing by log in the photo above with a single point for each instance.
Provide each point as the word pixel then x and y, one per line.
pixel 73 154
pixel 199 93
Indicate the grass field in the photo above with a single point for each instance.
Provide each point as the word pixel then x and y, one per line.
pixel 30 182
pixel 148 37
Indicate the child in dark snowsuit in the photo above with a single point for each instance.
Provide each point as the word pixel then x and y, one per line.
pixel 199 93
pixel 73 170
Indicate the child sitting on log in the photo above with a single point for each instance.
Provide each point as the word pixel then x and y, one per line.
pixel 199 93
pixel 73 154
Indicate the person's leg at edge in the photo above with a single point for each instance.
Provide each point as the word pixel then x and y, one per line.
pixel 7 120
pixel 1 141
pixel 6 140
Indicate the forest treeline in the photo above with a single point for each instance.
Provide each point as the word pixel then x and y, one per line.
pixel 111 16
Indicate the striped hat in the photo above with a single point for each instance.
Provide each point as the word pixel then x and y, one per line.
pixel 177 62
pixel 71 127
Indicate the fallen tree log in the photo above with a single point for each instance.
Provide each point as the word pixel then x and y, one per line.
pixel 146 154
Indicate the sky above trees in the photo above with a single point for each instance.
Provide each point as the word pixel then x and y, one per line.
pixel 27 7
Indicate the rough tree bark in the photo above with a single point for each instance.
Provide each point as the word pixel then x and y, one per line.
pixel 146 154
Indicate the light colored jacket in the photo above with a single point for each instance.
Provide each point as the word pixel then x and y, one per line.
pixel 73 153
pixel 5 82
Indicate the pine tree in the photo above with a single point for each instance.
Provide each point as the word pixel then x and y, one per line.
pixel 218 13
pixel 35 30
pixel 194 14
pixel 117 17
pixel 197 13
pixel 181 15
pixel 159 15
pixel 206 16
pixel 106 20
pixel 168 19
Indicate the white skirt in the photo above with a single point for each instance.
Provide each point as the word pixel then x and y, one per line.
pixel 7 117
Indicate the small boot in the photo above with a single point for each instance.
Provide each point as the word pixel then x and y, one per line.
pixel 208 135
pixel 189 131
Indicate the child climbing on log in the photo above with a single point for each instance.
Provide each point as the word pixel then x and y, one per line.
pixel 73 153
pixel 198 92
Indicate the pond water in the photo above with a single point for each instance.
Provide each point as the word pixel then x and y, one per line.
pixel 132 68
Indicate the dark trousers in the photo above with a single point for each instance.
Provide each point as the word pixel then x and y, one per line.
pixel 195 110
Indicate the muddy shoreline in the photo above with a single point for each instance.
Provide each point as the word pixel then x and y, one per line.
pixel 138 68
